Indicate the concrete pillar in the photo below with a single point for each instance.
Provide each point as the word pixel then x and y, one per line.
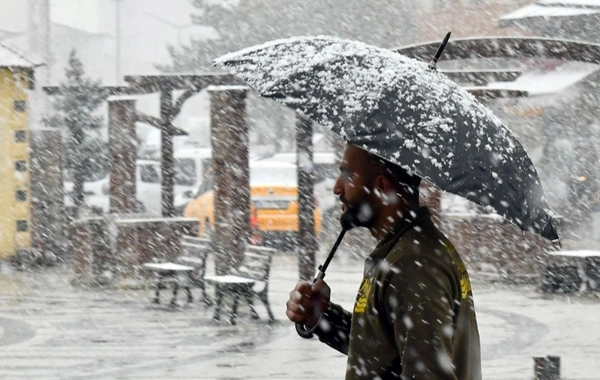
pixel 122 155
pixel 307 242
pixel 230 151
pixel 47 191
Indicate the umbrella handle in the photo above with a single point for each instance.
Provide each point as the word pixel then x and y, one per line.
pixel 300 328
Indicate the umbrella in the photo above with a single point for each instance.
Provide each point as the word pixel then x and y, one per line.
pixel 405 112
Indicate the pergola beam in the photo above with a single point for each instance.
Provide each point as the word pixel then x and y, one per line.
pixel 111 90
pixel 169 110
pixel 506 47
pixel 156 122
pixel 496 93
pixel 482 77
pixel 176 108
pixel 198 82
pixel 501 47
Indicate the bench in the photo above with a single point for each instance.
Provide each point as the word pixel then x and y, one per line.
pixel 190 268
pixel 254 271
pixel 571 271
pixel 195 255
pixel 177 274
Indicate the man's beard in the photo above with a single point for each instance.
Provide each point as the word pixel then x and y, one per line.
pixel 361 215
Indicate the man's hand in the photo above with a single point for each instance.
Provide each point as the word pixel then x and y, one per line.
pixel 307 302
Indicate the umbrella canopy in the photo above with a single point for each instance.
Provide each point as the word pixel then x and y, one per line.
pixel 398 109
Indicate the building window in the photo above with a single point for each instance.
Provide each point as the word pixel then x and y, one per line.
pixel 21 225
pixel 21 195
pixel 21 166
pixel 20 136
pixel 20 105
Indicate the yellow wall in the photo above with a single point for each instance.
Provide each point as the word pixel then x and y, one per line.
pixel 13 86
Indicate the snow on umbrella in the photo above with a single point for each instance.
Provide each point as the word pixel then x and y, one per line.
pixel 402 111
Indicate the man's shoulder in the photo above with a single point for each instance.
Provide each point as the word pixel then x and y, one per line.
pixel 423 245
pixel 423 238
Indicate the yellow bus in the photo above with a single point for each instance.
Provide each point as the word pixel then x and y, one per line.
pixel 274 203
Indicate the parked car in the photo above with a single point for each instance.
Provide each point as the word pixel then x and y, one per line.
pixel 274 195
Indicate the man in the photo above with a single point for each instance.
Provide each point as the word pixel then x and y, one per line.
pixel 414 316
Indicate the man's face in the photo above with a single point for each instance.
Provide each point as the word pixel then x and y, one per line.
pixel 354 186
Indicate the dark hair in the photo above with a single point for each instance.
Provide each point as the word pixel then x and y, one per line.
pixel 396 173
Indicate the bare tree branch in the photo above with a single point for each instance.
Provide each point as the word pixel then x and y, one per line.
pixel 176 109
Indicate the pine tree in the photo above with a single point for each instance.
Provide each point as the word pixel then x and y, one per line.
pixel 76 111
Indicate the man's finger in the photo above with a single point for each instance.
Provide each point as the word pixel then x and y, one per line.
pixel 296 296
pixel 303 287
pixel 298 318
pixel 295 307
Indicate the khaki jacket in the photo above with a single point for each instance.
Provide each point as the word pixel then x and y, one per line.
pixel 414 316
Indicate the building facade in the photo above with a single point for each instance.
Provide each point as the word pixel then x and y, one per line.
pixel 15 191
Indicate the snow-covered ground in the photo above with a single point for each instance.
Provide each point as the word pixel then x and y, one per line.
pixel 51 330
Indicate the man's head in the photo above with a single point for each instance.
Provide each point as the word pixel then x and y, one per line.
pixel 371 188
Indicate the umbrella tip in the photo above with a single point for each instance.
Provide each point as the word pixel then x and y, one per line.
pixel 557 244
pixel 433 64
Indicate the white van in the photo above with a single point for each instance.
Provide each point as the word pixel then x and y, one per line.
pixel 148 189
pixel 191 164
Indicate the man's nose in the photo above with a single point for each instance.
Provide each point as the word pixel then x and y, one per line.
pixel 338 188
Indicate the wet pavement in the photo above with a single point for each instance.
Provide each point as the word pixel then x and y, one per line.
pixel 52 330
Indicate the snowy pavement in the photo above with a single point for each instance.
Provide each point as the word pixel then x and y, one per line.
pixel 51 330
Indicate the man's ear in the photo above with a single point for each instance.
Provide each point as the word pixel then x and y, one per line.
pixel 382 184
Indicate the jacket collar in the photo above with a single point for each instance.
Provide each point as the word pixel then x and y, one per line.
pixel 398 230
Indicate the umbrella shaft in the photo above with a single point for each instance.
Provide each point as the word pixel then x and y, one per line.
pixel 323 267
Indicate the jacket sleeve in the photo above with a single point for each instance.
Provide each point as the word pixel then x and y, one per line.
pixel 418 301
pixel 333 328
